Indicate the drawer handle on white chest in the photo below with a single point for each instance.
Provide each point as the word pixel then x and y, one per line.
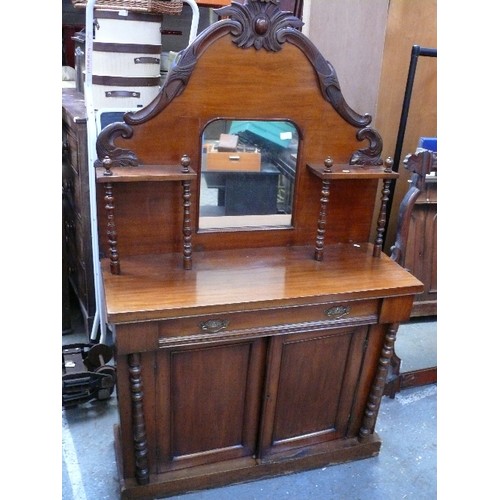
pixel 337 312
pixel 146 60
pixel 214 325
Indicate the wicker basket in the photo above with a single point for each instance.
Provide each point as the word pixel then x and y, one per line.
pixel 151 6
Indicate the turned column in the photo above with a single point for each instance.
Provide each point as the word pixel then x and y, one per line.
pixel 187 231
pixel 138 421
pixel 382 216
pixel 378 386
pixel 110 215
pixel 325 196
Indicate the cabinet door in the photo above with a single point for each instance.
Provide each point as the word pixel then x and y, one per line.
pixel 310 388
pixel 208 402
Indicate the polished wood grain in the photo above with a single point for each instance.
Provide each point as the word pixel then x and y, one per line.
pixel 216 90
pixel 157 286
pixel 348 171
pixel 144 173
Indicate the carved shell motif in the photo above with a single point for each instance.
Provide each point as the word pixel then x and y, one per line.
pixel 258 23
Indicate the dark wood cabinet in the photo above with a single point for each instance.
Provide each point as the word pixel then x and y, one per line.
pixel 246 349
pixel 421 251
pixel 416 244
pixel 76 203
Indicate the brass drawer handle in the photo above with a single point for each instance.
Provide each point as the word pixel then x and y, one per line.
pixel 214 325
pixel 337 312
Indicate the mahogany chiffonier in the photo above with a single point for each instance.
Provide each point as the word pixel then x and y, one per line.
pixel 256 342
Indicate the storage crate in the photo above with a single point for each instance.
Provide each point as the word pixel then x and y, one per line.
pixel 153 6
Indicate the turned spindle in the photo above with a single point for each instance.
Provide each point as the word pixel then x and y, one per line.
pixel 110 216
pixel 187 231
pixel 325 195
pixel 382 216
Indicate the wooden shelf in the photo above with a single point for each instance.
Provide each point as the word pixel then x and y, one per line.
pixel 145 173
pixel 346 171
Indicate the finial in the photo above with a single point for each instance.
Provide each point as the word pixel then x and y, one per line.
pixel 107 165
pixel 328 164
pixel 389 162
pixel 185 162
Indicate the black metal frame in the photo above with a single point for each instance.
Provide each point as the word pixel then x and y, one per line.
pixel 416 52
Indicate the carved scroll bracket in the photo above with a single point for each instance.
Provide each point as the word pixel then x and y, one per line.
pixel 371 154
pixel 105 146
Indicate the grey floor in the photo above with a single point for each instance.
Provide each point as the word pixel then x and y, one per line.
pixel 406 467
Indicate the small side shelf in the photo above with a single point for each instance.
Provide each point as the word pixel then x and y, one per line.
pixel 346 171
pixel 329 171
pixel 146 173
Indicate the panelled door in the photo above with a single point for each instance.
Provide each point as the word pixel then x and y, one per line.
pixel 208 402
pixel 310 388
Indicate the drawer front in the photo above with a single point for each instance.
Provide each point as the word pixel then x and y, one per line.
pixel 269 321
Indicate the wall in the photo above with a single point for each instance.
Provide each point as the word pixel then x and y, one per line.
pixel 350 34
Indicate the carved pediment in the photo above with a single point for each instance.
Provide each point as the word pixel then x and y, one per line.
pixel 254 25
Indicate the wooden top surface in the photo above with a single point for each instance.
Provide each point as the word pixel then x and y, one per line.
pixel 73 105
pixel 156 286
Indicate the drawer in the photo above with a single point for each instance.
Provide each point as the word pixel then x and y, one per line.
pixel 237 161
pixel 272 321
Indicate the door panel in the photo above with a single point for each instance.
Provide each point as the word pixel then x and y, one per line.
pixel 310 387
pixel 209 408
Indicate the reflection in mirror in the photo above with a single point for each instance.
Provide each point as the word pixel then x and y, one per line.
pixel 247 174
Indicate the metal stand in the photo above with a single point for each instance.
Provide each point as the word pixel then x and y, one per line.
pixel 416 52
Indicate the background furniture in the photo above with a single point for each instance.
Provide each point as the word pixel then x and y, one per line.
pixel 242 352
pixel 419 253
pixel 76 205
pixel 65 288
pixel 416 250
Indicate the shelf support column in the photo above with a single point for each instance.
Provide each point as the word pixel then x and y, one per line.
pixel 111 226
pixel 138 420
pixel 187 231
pixel 378 386
pixel 325 196
pixel 382 217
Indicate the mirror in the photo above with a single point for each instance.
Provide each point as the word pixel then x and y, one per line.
pixel 247 174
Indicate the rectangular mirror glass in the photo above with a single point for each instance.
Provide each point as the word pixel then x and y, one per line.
pixel 247 174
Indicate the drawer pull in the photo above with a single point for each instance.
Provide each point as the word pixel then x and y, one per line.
pixel 214 325
pixel 146 60
pixel 337 312
pixel 122 93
